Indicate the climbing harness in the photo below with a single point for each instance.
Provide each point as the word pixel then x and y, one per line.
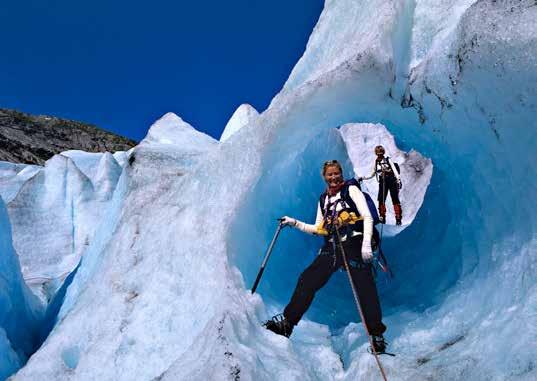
pixel 376 243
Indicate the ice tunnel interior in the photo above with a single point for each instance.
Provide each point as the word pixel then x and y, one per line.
pixel 455 244
pixel 470 239
pixel 292 187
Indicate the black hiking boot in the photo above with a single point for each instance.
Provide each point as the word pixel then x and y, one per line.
pixel 379 343
pixel 279 325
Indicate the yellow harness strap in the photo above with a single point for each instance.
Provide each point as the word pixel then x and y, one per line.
pixel 344 218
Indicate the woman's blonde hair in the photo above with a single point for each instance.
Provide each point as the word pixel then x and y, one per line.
pixel 331 163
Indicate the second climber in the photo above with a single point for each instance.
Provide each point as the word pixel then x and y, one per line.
pixel 389 179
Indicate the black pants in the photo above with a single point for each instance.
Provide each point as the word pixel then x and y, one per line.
pixel 388 183
pixel 319 272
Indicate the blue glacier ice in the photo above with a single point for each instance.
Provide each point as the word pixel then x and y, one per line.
pixel 20 311
pixel 162 291
pixel 56 210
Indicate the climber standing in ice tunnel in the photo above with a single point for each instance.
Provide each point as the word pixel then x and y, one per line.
pixel 341 206
pixel 389 179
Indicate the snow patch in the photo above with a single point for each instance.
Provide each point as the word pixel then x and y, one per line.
pixel 172 130
pixel 241 117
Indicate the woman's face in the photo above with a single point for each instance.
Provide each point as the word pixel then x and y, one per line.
pixel 332 176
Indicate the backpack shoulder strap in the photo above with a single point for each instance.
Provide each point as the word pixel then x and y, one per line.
pixel 346 197
pixel 395 165
pixel 322 200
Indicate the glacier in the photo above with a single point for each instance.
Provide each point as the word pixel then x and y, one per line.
pixel 20 311
pixel 242 116
pixel 162 290
pixel 56 210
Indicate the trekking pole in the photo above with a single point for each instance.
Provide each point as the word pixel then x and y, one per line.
pixel 382 227
pixel 267 255
pixel 357 300
pixel 384 268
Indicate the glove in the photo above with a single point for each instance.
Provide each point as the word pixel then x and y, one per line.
pixel 399 184
pixel 367 253
pixel 321 230
pixel 285 220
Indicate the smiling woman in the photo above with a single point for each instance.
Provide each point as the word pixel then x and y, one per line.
pixel 345 221
pixel 122 64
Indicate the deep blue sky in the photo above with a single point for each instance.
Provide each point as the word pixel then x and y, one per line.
pixel 122 64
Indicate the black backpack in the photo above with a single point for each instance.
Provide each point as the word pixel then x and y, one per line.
pixel 396 165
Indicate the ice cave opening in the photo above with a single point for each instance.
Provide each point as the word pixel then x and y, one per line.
pixel 424 263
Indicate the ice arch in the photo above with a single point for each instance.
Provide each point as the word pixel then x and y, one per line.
pixel 454 85
pixel 292 187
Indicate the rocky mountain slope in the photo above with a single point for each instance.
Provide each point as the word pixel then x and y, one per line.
pixel 30 139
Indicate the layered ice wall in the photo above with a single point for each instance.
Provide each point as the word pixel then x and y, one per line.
pixel 160 297
pixel 13 176
pixel 55 210
pixel 20 311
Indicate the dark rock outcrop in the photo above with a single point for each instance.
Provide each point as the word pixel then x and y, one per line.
pixel 33 139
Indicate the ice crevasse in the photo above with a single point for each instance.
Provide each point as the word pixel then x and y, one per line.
pixel 162 290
